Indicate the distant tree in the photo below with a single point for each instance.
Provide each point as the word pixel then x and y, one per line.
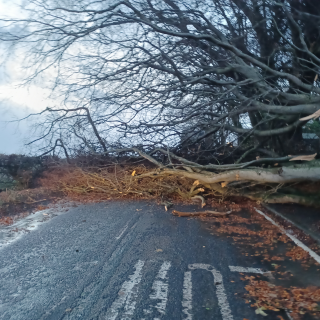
pixel 18 170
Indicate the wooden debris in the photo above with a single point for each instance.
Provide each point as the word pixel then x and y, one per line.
pixel 200 213
pixel 312 116
pixel 305 158
pixel 197 197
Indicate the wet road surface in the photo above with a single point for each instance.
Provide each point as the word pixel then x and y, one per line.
pixel 124 260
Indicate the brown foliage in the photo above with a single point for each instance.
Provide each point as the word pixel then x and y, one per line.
pixel 272 297
pixel 260 239
pixel 26 196
pixel 115 181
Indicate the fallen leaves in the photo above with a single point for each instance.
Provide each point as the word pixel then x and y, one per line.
pixel 6 220
pixel 271 297
pixel 263 237
pixel 298 253
pixel 41 207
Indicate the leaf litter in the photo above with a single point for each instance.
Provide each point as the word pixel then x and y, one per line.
pixel 286 288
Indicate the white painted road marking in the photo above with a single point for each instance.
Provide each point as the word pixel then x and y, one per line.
pixel 294 239
pixel 243 269
pixel 122 232
pixel 288 315
pixel 160 289
pixel 187 296
pixel 221 295
pixel 127 295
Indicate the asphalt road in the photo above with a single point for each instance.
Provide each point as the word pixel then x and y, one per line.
pixel 123 260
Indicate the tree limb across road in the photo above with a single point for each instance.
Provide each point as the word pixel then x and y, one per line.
pixel 209 85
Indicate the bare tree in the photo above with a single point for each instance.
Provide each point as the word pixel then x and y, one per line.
pixel 218 81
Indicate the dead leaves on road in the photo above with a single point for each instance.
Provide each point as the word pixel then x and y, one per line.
pixel 271 297
pixel 261 240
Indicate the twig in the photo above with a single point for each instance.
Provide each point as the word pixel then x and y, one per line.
pixel 200 213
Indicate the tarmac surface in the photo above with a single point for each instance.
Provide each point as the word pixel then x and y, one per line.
pixel 123 260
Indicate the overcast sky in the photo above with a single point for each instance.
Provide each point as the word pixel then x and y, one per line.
pixel 15 101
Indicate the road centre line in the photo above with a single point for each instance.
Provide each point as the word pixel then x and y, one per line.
pixel 293 238
pixel 127 295
pixel 122 232
pixel 187 296
pixel 245 269
pixel 220 291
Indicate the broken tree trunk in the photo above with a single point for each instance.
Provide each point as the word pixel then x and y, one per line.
pixel 225 183
pixel 274 175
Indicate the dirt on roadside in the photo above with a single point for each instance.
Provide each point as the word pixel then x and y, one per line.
pixel 15 204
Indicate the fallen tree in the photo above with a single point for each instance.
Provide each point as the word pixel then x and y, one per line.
pixel 257 183
pixel 283 182
pixel 218 91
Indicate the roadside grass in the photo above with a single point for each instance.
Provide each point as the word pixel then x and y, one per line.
pixel 16 204
pixel 26 196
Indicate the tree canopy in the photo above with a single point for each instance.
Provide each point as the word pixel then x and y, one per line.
pixel 216 80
